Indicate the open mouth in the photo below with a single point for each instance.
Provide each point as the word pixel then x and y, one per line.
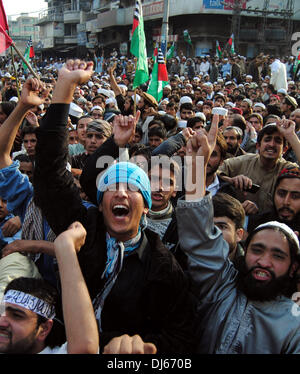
pixel 156 197
pixel 261 275
pixel 120 210
pixel 285 212
pixel 271 151
pixel 4 334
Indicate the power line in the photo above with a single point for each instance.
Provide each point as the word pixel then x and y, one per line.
pixel 33 12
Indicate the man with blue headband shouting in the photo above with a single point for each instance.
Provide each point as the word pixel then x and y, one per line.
pixel 137 287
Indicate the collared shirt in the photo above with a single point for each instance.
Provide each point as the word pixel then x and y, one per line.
pixel 214 186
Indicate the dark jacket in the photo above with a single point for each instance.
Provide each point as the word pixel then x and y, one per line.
pixel 151 295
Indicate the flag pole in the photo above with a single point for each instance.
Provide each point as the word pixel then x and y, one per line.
pixel 134 101
pixel 25 62
pixel 15 71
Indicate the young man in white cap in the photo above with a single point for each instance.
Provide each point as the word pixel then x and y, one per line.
pixel 136 285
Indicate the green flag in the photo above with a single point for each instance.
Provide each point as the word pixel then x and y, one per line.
pixel 26 56
pixel 159 77
pixel 170 52
pixel 29 53
pixel 231 44
pixel 218 50
pixel 138 47
pixel 296 63
pixel 187 37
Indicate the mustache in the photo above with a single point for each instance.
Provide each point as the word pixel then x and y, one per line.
pixel 286 209
pixel 6 331
pixel 248 271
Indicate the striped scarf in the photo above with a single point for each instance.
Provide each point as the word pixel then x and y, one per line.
pixel 115 253
pixel 32 228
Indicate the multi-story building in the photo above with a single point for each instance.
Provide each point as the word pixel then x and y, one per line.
pixel 259 25
pixel 22 28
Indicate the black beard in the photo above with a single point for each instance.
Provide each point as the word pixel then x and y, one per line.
pixel 127 112
pixel 263 291
pixel 231 149
pixel 211 171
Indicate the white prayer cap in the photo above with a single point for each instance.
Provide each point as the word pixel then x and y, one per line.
pixel 111 100
pixel 97 107
pixel 123 86
pixel 249 76
pixel 14 98
pixel 107 93
pixel 201 115
pixel 75 110
pixel 185 99
pixel 182 123
pixel 261 105
pixel 248 101
pixel 230 104
pixel 90 84
pixel 282 90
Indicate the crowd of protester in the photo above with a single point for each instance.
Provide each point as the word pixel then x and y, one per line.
pixel 107 245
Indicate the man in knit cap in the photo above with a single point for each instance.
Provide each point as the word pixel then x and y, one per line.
pixel 97 132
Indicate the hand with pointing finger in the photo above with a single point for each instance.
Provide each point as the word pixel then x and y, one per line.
pixel 124 128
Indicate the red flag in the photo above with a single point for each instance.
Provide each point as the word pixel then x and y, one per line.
pixel 30 46
pixel 31 53
pixel 5 40
pixel 162 68
pixel 136 16
pixel 3 18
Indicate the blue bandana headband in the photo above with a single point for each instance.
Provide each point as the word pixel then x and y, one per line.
pixel 125 172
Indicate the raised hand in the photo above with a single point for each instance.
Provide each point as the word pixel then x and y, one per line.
pixel 33 93
pixel 187 133
pixel 72 74
pixel 124 128
pixel 251 130
pixel 199 147
pixel 286 127
pixel 74 235
pixel 76 71
pixel 32 119
pixel 203 143
pixel 112 68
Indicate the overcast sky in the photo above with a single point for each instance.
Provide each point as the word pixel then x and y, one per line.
pixel 16 7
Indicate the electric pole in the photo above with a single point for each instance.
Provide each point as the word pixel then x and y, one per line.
pixel 165 27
